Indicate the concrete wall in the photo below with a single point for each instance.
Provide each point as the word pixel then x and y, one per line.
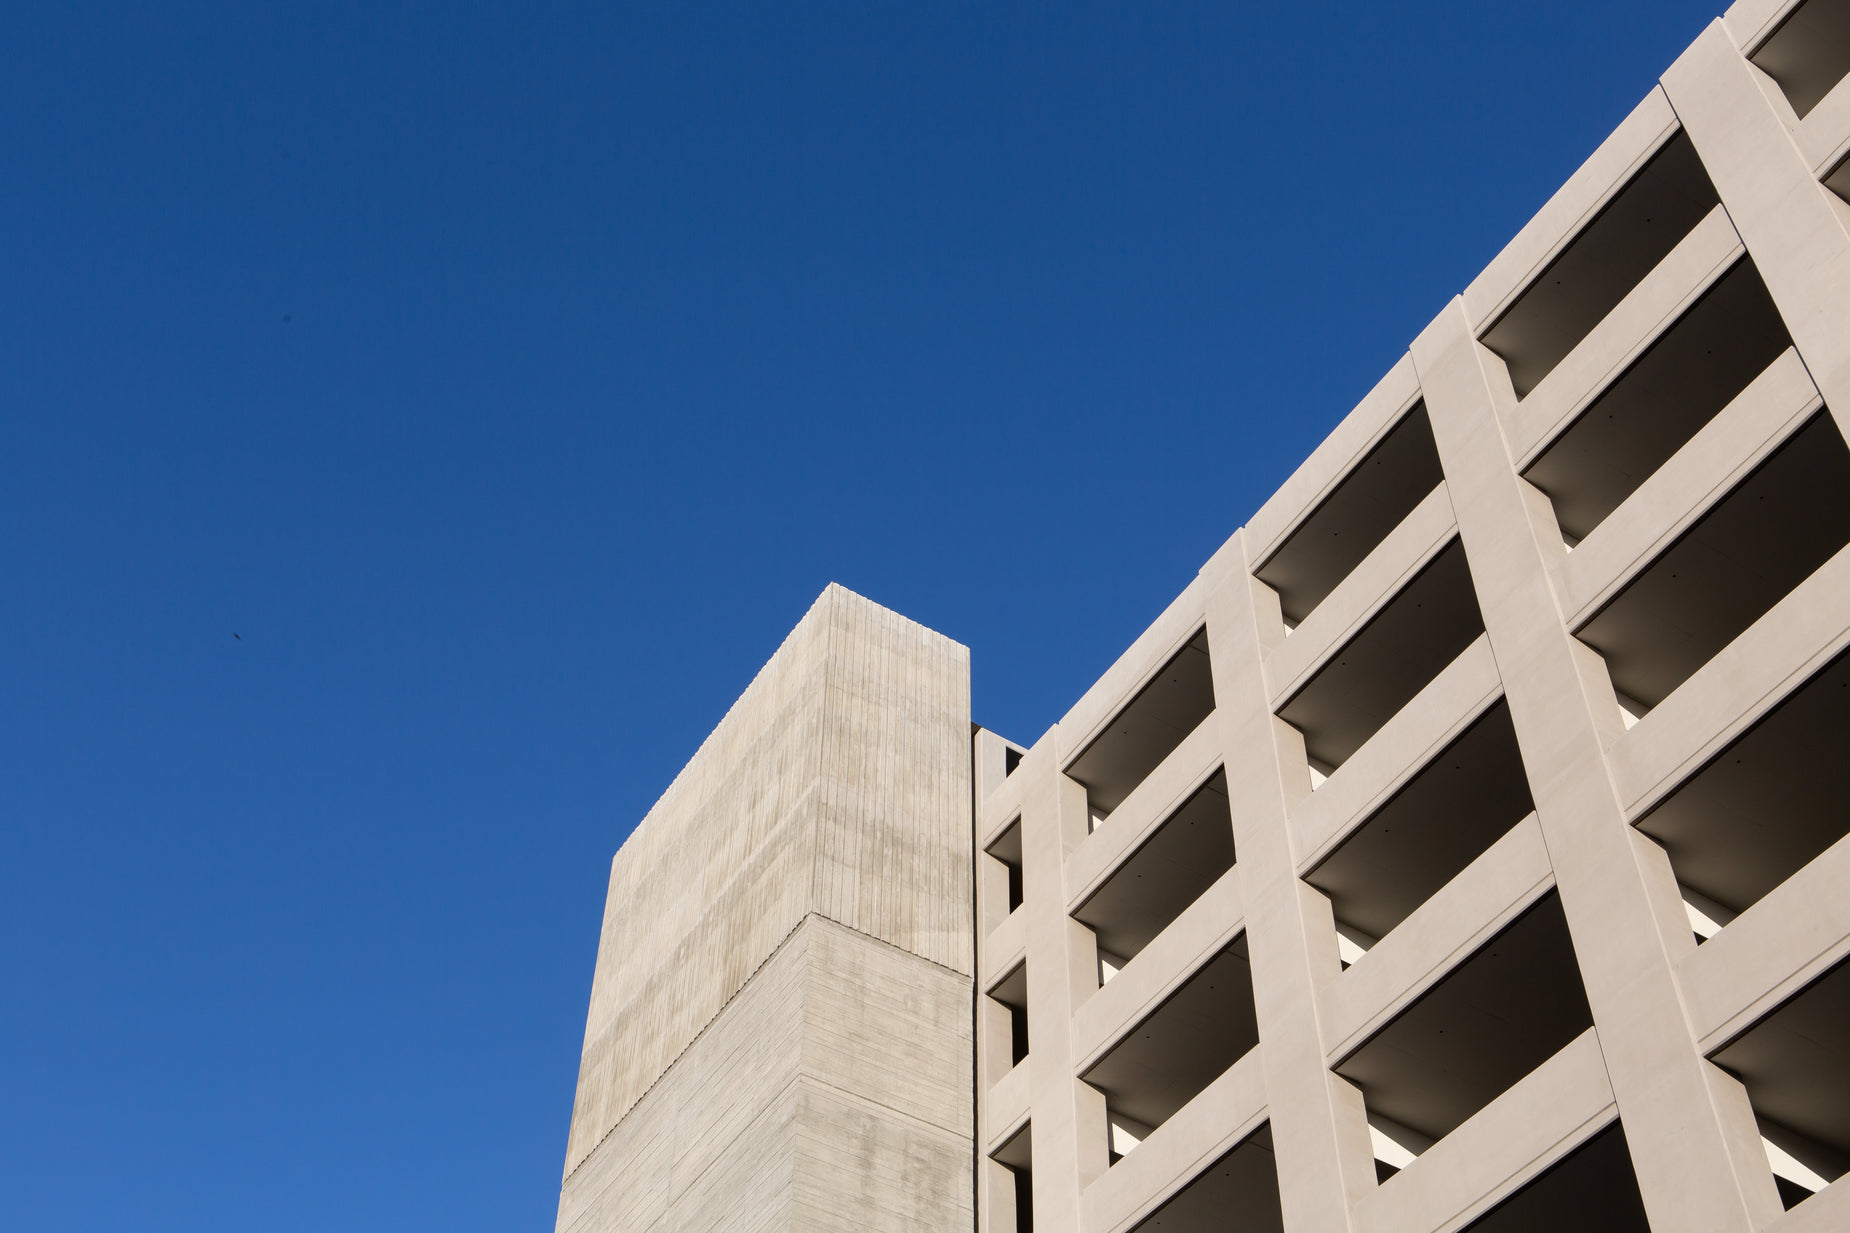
pixel 780 1022
pixel 1640 1113
pixel 781 1028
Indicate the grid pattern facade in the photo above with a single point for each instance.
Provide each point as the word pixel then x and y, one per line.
pixel 1467 846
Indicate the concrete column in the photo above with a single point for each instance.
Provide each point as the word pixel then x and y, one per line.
pixel 1067 1116
pixel 1796 230
pixel 1691 1133
pixel 1319 1128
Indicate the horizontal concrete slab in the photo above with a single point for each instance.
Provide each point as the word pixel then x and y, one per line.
pixel 1407 548
pixel 1558 1106
pixel 1683 489
pixel 1679 280
pixel 1439 712
pixel 1769 951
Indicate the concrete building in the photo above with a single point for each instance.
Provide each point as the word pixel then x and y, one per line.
pixel 1466 847
pixel 780 1026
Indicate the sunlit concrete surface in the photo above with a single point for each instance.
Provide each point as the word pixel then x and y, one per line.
pixel 781 1018
pixel 1465 847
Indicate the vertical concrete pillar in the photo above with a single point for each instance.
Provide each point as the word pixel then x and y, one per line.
pixel 1068 1116
pixel 1319 1127
pixel 1691 1133
pixel 1796 230
pixel 779 1033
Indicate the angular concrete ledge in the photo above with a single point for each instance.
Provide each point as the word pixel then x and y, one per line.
pixel 1405 551
pixel 1828 1211
pixel 1459 694
pixel 1769 951
pixel 1748 429
pixel 1553 1110
pixel 1797 231
pixel 1223 1113
pixel 1824 134
pixel 1188 766
pixel 1005 1108
pixel 1625 333
pixel 1179 622
pixel 1493 890
pixel 1330 463
pixel 1193 938
pixel 1726 695
pixel 1751 22
pixel 1003 950
pixel 1003 806
pixel 1555 225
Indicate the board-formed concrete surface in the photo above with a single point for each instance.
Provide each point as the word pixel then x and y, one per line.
pixel 1464 848
pixel 780 1024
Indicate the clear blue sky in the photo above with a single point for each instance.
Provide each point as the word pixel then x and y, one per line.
pixel 509 378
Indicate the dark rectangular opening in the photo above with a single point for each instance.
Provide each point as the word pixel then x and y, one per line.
pixel 1600 266
pixel 1427 625
pixel 1809 53
pixel 1795 1064
pixel 1512 1005
pixel 1243 1180
pixel 1465 799
pixel 1182 858
pixel 1744 555
pixel 1373 499
pixel 1011 996
pixel 1839 180
pixel 1590 1190
pixel 1767 804
pixel 1015 1160
pixel 1181 1046
pixel 1006 852
pixel 1725 340
pixel 1148 729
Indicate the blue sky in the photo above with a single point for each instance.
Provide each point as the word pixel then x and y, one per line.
pixel 420 422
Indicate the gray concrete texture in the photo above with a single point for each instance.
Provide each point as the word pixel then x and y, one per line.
pixel 779 1032
pixel 1463 848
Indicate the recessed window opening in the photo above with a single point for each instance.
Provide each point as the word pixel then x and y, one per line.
pixel 1795 1064
pixel 1766 805
pixel 1011 1171
pixel 1590 1190
pixel 1689 374
pixel 1809 53
pixel 1516 1002
pixel 1839 180
pixel 1011 758
pixel 1745 555
pixel 1003 870
pixel 1148 729
pixel 1601 265
pixel 1180 1047
pixel 1465 799
pixel 1243 1180
pixel 1182 858
pixel 1374 498
pixel 1401 649
pixel 1007 1009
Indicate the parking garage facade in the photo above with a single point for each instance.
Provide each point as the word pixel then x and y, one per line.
pixel 1467 846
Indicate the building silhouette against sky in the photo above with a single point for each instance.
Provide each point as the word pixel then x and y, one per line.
pixel 1466 847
